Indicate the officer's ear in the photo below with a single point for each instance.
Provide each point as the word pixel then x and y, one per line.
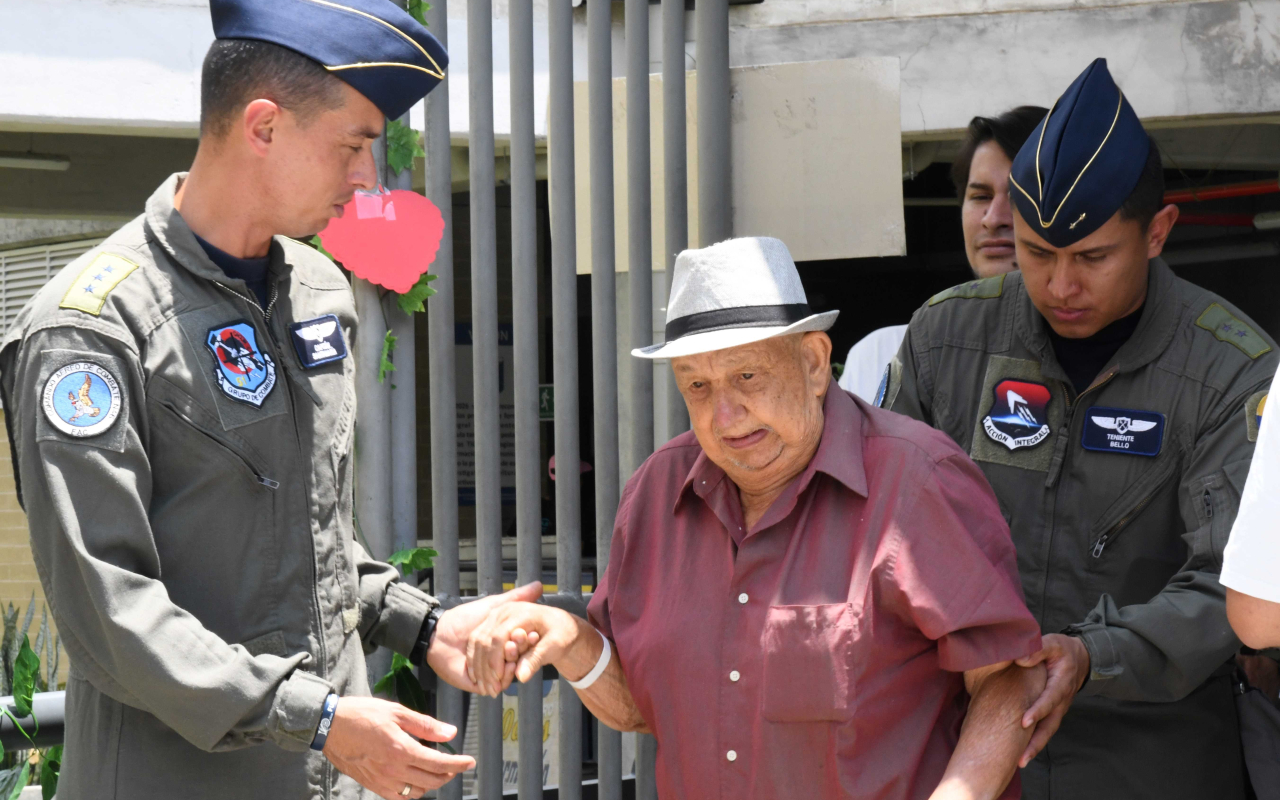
pixel 260 120
pixel 1159 229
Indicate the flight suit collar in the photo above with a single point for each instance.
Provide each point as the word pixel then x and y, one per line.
pixel 1152 337
pixel 172 232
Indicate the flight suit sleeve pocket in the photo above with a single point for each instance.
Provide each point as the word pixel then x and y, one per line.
pixel 83 399
pixel 808 663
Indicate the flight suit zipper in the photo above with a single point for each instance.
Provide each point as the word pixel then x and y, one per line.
pixel 1113 533
pixel 322 669
pixel 253 469
pixel 1061 445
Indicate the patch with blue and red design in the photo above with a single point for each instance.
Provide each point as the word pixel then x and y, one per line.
pixel 243 371
pixel 1019 414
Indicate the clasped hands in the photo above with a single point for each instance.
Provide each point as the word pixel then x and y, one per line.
pixel 479 647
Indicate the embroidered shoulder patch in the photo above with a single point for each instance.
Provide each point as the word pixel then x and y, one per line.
pixel 82 399
pixel 1228 328
pixel 981 289
pixel 89 290
pixel 1253 408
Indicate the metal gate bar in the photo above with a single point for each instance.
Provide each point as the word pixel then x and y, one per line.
pixel 640 278
pixel 715 210
pixel 604 331
pixel 564 333
pixel 676 172
pixel 484 373
pixel 442 366
pixel 524 291
pixel 639 229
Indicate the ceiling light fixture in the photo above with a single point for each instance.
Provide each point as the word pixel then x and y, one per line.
pixel 34 161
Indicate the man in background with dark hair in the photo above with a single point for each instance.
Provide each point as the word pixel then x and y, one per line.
pixel 981 176
pixel 194 533
pixel 1112 406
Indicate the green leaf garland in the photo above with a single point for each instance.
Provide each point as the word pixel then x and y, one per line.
pixel 412 301
pixel 403 145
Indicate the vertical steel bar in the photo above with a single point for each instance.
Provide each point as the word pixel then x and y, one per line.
pixel 373 427
pixel 484 339
pixel 676 169
pixel 564 348
pixel 715 212
pixel 404 406
pixel 524 290
pixel 639 230
pixel 604 330
pixel 443 375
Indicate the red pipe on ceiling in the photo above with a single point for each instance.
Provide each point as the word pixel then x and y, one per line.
pixel 1268 186
pixel 1217 220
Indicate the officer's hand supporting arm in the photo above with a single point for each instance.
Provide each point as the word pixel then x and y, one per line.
pixel 1066 660
pixel 993 736
pixel 88 504
pixel 1163 649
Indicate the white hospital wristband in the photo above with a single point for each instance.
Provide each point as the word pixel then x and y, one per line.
pixel 596 671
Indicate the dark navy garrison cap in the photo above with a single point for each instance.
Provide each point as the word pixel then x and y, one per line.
pixel 1082 162
pixel 374 45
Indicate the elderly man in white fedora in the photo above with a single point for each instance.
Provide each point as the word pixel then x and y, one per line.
pixel 806 596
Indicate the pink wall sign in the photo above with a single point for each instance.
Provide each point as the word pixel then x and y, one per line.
pixel 389 239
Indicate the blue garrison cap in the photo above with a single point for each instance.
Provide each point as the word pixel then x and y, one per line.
pixel 374 45
pixel 1082 162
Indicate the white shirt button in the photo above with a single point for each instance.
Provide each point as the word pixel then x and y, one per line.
pixel 732 755
pixel 733 676
pixel 742 598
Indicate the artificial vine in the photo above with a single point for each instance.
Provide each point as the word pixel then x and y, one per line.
pixel 418 10
pixel 404 144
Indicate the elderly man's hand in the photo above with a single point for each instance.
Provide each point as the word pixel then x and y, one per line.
pixel 528 634
pixel 448 652
pixel 375 743
pixel 1067 660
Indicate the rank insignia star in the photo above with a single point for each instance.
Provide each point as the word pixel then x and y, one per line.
pixel 89 291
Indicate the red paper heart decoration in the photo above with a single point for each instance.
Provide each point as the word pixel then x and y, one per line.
pixel 388 239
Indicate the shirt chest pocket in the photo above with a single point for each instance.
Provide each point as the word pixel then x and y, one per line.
pixel 808 663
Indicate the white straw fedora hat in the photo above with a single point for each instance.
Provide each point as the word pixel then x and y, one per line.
pixel 732 293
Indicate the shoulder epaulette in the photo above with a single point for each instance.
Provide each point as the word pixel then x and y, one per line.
pixel 981 289
pixel 1233 330
pixel 88 292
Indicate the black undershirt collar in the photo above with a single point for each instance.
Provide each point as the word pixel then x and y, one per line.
pixel 253 271
pixel 1083 359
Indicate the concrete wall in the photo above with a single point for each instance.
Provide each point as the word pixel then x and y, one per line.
pixel 965 57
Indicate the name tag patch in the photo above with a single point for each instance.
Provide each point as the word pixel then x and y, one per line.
pixel 243 372
pixel 318 341
pixel 1123 430
pixel 1019 414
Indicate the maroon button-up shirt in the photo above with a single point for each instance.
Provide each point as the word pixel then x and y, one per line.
pixel 818 654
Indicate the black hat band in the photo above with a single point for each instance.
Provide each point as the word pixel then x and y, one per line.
pixel 740 317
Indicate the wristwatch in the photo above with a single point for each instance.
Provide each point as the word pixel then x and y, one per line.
pixel 425 635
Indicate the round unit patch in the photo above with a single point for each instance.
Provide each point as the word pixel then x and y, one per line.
pixel 82 399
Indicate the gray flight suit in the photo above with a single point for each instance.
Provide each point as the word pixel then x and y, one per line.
pixel 195 540
pixel 1122 548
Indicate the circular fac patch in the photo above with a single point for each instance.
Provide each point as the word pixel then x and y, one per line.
pixel 82 399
